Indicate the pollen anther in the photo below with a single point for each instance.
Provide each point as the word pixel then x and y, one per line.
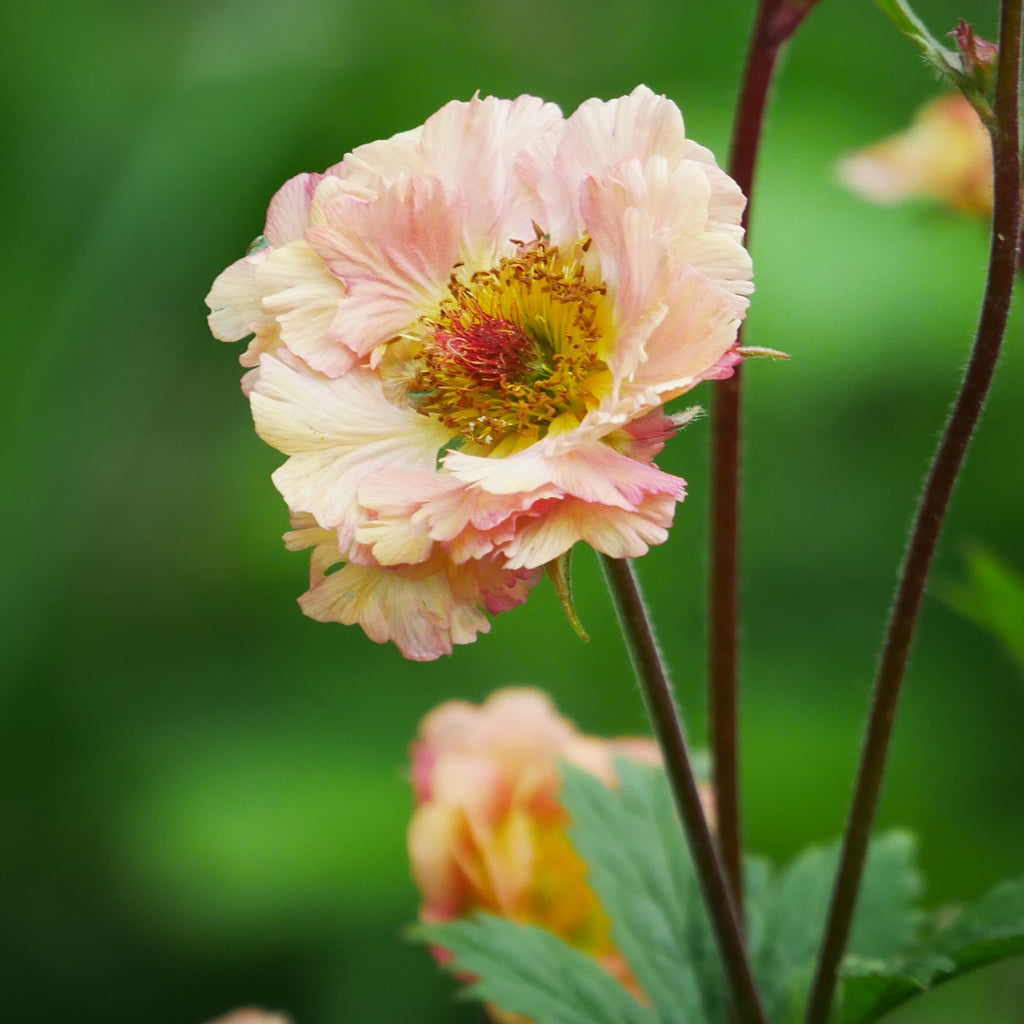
pixel 511 348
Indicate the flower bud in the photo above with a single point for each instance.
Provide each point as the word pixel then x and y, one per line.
pixel 978 56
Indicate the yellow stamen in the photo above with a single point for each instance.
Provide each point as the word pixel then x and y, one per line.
pixel 512 352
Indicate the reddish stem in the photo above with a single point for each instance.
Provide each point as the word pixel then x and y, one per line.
pixel 776 21
pixel 930 514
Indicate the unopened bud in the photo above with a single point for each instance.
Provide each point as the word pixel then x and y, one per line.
pixel 977 56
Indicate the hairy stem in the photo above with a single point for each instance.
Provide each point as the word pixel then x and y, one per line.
pixel 661 706
pixel 776 21
pixel 931 511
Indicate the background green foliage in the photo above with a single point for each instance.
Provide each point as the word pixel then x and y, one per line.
pixel 202 792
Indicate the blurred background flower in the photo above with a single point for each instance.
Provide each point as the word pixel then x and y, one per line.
pixel 945 155
pixel 251 1015
pixel 203 793
pixel 489 832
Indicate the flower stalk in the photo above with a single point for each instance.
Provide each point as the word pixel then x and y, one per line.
pixel 932 510
pixel 661 707
pixel 776 22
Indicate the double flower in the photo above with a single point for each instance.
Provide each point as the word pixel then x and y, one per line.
pixel 464 338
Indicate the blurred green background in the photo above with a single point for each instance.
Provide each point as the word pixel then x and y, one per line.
pixel 203 794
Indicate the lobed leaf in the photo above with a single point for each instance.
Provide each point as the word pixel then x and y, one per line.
pixel 639 867
pixel 872 988
pixel 991 930
pixel 793 908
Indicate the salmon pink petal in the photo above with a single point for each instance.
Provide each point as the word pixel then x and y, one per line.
pixel 602 134
pixel 336 432
pixel 664 368
pixel 423 609
pixel 614 531
pixel 235 301
pixel 288 214
pixel 417 614
pixel 394 255
pixel 594 472
pixel 303 297
pixel 728 202
pixel 435 831
pixel 452 146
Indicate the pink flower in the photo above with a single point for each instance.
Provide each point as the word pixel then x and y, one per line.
pixel 944 155
pixel 463 339
pixel 489 833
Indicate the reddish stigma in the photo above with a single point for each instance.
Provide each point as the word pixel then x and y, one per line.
pixel 491 350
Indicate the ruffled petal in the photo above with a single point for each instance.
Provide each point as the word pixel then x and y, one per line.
pixel 395 256
pixel 235 301
pixel 288 214
pixel 336 432
pixel 612 530
pixel 452 146
pixel 423 610
pixel 408 512
pixel 663 368
pixel 725 210
pixel 593 472
pixel 303 298
pixel 602 134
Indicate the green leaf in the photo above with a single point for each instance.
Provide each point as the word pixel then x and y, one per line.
pixel 527 970
pixel 639 867
pixel 989 931
pixel 792 913
pixel 870 988
pixel 993 597
pixel 887 920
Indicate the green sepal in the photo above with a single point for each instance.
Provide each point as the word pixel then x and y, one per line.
pixel 560 571
pixel 944 60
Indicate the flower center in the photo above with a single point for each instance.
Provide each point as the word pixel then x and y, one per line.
pixel 486 348
pixel 513 353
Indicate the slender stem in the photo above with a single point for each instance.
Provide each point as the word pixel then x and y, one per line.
pixel 776 22
pixel 661 706
pixel 931 512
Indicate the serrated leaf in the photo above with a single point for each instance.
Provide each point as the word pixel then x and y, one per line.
pixel 888 920
pixel 794 909
pixel 871 989
pixel 989 931
pixel 640 870
pixel 525 969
